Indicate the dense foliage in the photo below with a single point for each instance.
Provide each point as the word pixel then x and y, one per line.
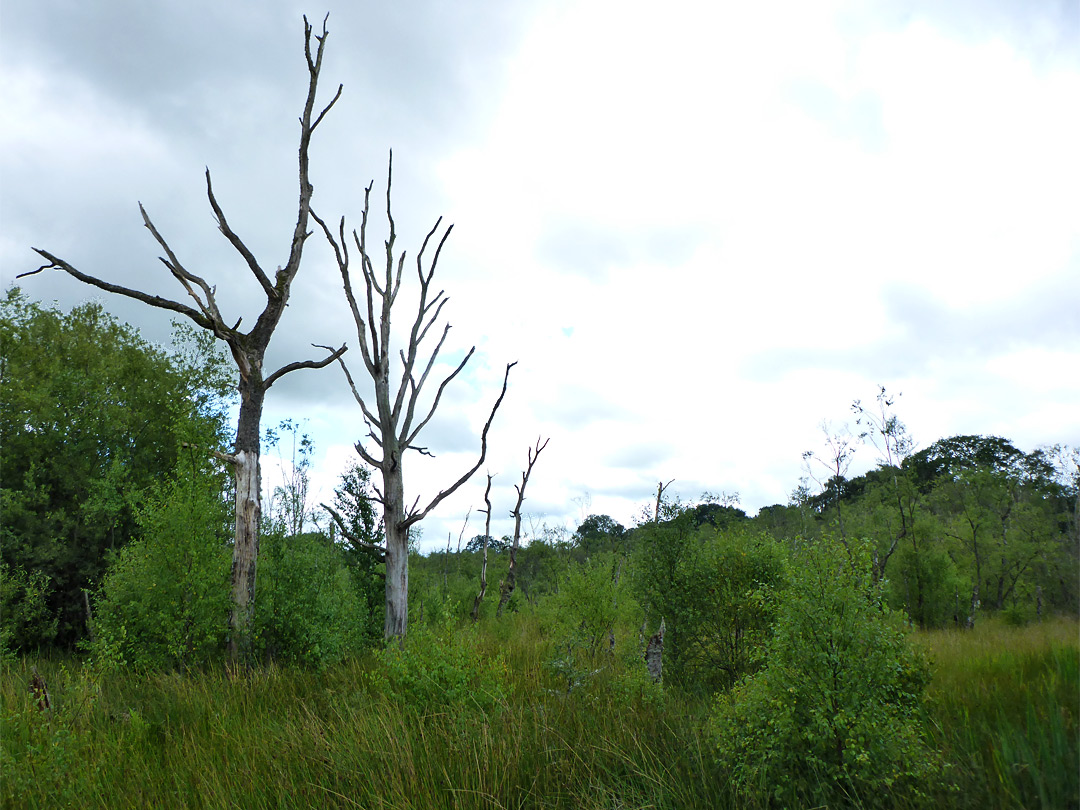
pixel 91 420
pixel 164 601
pixel 833 716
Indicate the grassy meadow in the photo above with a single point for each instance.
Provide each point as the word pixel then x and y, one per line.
pixel 479 718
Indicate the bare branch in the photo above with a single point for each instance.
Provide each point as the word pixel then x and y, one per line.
pixel 661 486
pixel 418 516
pixel 234 240
pixel 226 457
pixel 368 416
pixel 533 456
pixel 326 109
pixel 414 387
pixel 363 545
pixel 438 394
pixel 183 275
pixel 335 354
pixel 153 300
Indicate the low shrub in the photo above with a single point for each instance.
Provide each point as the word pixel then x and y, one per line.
pixel 308 609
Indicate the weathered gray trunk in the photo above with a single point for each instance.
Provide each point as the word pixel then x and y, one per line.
pixel 654 654
pixel 397 550
pixel 248 514
pixel 506 587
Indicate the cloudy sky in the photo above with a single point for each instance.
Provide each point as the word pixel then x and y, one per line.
pixel 701 228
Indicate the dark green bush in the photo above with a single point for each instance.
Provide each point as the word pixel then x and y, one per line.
pixel 308 609
pixel 833 717
pixel 164 601
pixel 25 619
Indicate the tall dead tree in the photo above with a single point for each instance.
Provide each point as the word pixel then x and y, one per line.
pixel 248 348
pixel 506 587
pixel 393 423
pixel 483 566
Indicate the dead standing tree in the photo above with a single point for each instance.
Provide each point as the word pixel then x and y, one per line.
pixel 506 587
pixel 392 424
pixel 483 566
pixel 248 349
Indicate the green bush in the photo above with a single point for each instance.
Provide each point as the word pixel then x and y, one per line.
pixel 25 619
pixel 308 609
pixel 164 601
pixel 723 621
pixel 437 669
pixel 833 717
pixel 586 620
pixel 923 580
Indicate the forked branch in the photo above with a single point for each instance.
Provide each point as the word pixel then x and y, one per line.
pixel 415 517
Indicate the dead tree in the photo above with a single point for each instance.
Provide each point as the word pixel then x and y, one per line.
pixel 393 423
pixel 483 566
pixel 248 348
pixel 660 487
pixel 506 587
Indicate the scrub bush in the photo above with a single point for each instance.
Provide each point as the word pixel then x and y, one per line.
pixel 833 717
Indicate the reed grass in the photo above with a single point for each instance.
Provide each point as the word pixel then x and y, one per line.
pixel 1003 707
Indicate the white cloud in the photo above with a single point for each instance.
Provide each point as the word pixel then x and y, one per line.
pixel 700 228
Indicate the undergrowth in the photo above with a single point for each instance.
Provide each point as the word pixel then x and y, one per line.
pixel 1003 710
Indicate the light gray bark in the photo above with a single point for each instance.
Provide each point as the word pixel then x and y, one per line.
pixel 654 654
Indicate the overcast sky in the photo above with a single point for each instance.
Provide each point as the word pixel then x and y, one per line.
pixel 701 228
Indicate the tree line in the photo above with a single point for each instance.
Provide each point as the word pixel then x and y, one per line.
pixel 108 495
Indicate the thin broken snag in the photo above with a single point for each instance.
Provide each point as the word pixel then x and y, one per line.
pixel 654 654
pixel 40 691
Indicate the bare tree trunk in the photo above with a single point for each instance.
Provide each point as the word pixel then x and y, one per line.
pixel 654 654
pixel 397 554
pixel 506 587
pixel 483 568
pixel 248 513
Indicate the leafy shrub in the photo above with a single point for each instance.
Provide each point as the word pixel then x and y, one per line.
pixel 437 669
pixel 833 716
pixel 924 581
pixel 591 599
pixel 585 620
pixel 164 600
pixel 308 609
pixel 25 618
pixel 720 613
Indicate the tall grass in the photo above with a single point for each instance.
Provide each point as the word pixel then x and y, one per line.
pixel 1003 707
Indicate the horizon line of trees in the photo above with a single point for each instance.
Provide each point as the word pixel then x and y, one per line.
pixel 93 477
